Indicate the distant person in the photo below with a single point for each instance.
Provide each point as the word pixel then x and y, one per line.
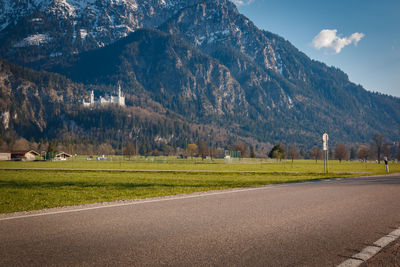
pixel 386 164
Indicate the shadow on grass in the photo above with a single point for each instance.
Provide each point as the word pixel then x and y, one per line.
pixel 33 185
pixel 24 184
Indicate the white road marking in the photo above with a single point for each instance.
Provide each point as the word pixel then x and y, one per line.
pixel 386 240
pixel 396 233
pixel 368 252
pixel 351 263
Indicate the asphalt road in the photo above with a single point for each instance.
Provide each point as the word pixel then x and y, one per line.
pixel 306 224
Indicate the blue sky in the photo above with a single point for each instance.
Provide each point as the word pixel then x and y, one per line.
pixel 366 44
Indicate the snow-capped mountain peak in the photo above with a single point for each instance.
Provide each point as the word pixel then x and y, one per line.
pixel 72 26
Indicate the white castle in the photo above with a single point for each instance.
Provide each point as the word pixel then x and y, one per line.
pixel 108 99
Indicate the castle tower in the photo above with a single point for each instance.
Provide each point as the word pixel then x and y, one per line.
pixel 119 91
pixel 121 97
pixel 91 98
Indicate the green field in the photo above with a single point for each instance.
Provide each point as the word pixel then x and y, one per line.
pixel 82 181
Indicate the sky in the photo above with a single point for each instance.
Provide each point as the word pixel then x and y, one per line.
pixel 361 37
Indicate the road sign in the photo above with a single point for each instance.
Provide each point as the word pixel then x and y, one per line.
pixel 324 146
pixel 325 139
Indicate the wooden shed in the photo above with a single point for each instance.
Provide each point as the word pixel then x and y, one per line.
pixel 25 155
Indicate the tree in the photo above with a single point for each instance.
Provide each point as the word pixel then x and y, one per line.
pixel 293 153
pixel 105 149
pixel 302 153
pixel 129 150
pixel 316 153
pixel 3 145
pixel 252 153
pixel 240 146
pixel 156 152
pixel 51 151
pixel 20 144
pixel 363 152
pixel 32 144
pixel 353 153
pixel 387 151
pixel 341 152
pixel 143 149
pixel 397 156
pixel 192 149
pixel 277 152
pixel 203 148
pixel 378 143
pixel 330 153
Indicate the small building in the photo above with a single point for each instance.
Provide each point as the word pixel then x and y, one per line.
pixel 24 155
pixel 5 156
pixel 62 156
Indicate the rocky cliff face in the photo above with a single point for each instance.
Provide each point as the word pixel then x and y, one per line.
pixel 210 24
pixel 31 101
pixel 44 29
pixel 217 29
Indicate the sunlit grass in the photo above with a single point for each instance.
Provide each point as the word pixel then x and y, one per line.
pixel 38 189
pixel 171 163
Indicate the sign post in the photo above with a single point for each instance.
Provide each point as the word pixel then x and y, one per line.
pixel 325 139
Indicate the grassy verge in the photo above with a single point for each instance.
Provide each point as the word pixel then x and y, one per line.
pixel 38 189
pixel 171 163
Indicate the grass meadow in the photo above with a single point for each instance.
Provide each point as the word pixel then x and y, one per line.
pixel 74 182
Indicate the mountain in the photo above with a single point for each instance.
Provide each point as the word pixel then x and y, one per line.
pixel 195 63
pixel 169 71
pixel 279 78
pixel 35 32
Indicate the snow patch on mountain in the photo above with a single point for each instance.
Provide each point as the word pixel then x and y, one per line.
pixel 56 54
pixel 291 105
pixel 83 33
pixel 62 7
pixel 279 63
pixel 34 40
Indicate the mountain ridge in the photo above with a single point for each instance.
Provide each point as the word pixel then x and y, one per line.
pixel 206 64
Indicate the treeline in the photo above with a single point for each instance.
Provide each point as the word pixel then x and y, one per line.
pixel 376 150
pixel 207 147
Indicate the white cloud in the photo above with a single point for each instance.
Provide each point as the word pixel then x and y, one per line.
pixel 242 2
pixel 329 39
